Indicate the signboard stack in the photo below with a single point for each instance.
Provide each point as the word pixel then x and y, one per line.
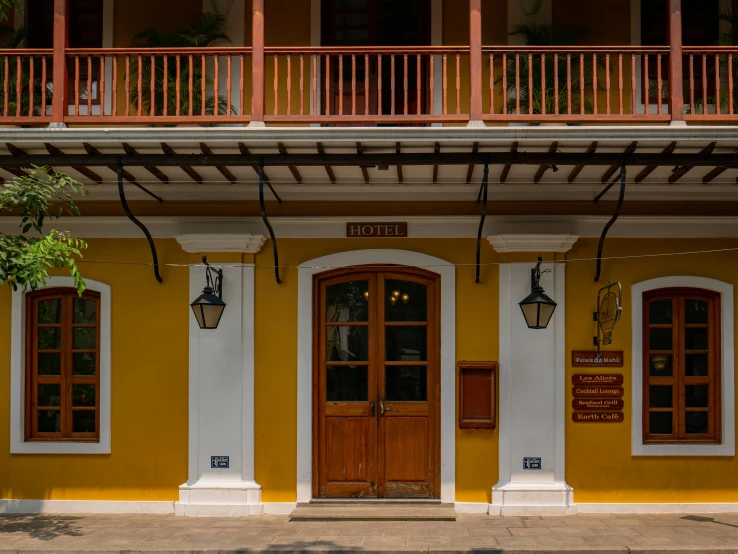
pixel 597 397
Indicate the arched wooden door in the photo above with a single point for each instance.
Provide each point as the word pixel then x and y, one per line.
pixel 376 384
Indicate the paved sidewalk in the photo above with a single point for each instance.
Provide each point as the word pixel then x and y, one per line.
pixel 471 533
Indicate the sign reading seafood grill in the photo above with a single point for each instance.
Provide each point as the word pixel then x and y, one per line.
pixel 582 358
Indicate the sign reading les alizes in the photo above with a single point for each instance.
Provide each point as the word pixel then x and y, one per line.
pixel 354 230
pixel 601 379
pixel 596 359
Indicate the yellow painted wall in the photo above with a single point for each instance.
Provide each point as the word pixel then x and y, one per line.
pixel 276 357
pixel 149 388
pixel 598 461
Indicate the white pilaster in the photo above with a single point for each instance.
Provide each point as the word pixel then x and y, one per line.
pixel 221 389
pixel 532 387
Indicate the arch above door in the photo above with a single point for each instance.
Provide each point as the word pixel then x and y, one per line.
pixel 306 272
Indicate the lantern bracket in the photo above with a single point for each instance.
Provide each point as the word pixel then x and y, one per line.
pixel 612 221
pixel 535 276
pixel 266 220
pixel 140 225
pixel 213 278
pixel 482 197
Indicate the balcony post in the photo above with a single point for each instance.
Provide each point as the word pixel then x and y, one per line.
pixel 61 37
pixel 257 65
pixel 676 79
pixel 475 63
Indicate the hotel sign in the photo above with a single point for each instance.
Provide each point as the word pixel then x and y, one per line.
pixel 356 230
pixel 580 358
pixel 601 379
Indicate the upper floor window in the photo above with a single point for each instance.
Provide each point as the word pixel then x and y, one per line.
pixel 681 366
pixel 62 366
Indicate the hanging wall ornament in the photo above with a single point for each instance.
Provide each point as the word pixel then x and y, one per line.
pixel 530 7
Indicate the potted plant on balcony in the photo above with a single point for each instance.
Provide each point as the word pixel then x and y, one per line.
pixel 204 31
pixel 544 93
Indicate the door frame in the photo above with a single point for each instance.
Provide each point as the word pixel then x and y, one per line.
pixel 447 397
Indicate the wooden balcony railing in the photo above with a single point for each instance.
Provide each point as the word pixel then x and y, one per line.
pixel 367 86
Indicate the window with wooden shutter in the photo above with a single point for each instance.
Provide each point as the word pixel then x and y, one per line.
pixel 62 366
pixel 681 366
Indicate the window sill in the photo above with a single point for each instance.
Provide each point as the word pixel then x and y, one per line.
pixel 676 449
pixel 62 447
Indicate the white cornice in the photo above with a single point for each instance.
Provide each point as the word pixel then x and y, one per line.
pixel 200 244
pixel 532 243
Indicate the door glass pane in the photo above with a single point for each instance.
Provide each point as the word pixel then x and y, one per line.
pixel 696 396
pixel 659 339
pixel 84 364
pixel 695 311
pixel 49 338
pixel 85 338
pixel 49 395
pixel 660 396
pixel 49 311
pixel 660 365
pixel 83 395
pixel 696 423
pixel 406 344
pixel 406 384
pixel 83 421
pixel 660 423
pixel 347 384
pixel 49 421
pixel 49 364
pixel 405 301
pixel 347 302
pixel 659 313
pixel 347 343
pixel 695 339
pixel 85 311
pixel 695 365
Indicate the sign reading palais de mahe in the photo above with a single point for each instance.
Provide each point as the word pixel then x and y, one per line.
pixel 355 230
pixel 220 462
pixel 532 463
pixel 597 359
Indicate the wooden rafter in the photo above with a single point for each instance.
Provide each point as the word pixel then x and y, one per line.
pixel 245 151
pixel 506 169
pixel 613 168
pixel 15 151
pixel 398 150
pixel 293 169
pixel 223 169
pixel 364 170
pixel 578 168
pixel 155 171
pixel 544 167
pixel 715 172
pixel 92 151
pixel 84 170
pixel 187 168
pixel 682 171
pixel 646 171
pixel 328 169
pixel 436 151
pixel 470 170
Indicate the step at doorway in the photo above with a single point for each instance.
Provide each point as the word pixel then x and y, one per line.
pixel 373 510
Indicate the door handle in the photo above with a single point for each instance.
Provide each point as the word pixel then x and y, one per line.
pixel 372 409
pixel 383 408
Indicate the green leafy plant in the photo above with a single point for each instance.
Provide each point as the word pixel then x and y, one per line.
pixel 543 92
pixel 204 31
pixel 7 6
pixel 728 38
pixel 10 39
pixel 41 194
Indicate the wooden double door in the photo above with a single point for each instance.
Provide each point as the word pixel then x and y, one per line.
pixel 376 384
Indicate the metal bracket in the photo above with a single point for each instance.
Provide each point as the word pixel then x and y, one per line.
pixel 483 197
pixel 612 221
pixel 266 220
pixel 140 225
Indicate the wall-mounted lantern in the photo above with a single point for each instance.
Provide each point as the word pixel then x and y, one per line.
pixel 209 306
pixel 537 307
pixel 530 7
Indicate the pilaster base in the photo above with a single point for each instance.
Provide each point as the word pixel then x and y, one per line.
pixel 677 123
pixel 532 499
pixel 477 124
pixel 257 124
pixel 219 499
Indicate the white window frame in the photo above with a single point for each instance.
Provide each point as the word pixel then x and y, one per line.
pixel 18 444
pixel 727 381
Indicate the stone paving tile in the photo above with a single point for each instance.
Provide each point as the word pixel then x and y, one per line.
pixel 385 542
pixel 406 532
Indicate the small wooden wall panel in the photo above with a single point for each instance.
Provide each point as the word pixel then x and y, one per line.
pixel 477 395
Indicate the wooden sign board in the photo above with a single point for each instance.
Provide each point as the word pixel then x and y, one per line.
pixel 599 379
pixel 594 391
pixel 356 230
pixel 582 358
pixel 597 404
pixel 597 417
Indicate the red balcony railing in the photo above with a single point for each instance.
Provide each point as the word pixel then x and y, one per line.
pixel 25 78
pixel 710 72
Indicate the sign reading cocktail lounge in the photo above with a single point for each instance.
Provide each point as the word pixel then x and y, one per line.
pixel 355 230
pixel 581 358
pixel 598 392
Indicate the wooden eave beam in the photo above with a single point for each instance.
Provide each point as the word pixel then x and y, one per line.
pixel 223 169
pixel 715 172
pixel 187 168
pixel 94 152
pixel 544 167
pixel 436 151
pixel 646 171
pixel 17 152
pixel 155 171
pixel 84 170
pixel 245 151
pixel 506 169
pixel 398 150
pixel 364 170
pixel 293 169
pixel 470 170
pixel 578 168
pixel 614 167
pixel 328 169
pixel 706 151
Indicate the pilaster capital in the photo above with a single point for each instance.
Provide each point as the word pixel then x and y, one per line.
pixel 242 243
pixel 532 243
